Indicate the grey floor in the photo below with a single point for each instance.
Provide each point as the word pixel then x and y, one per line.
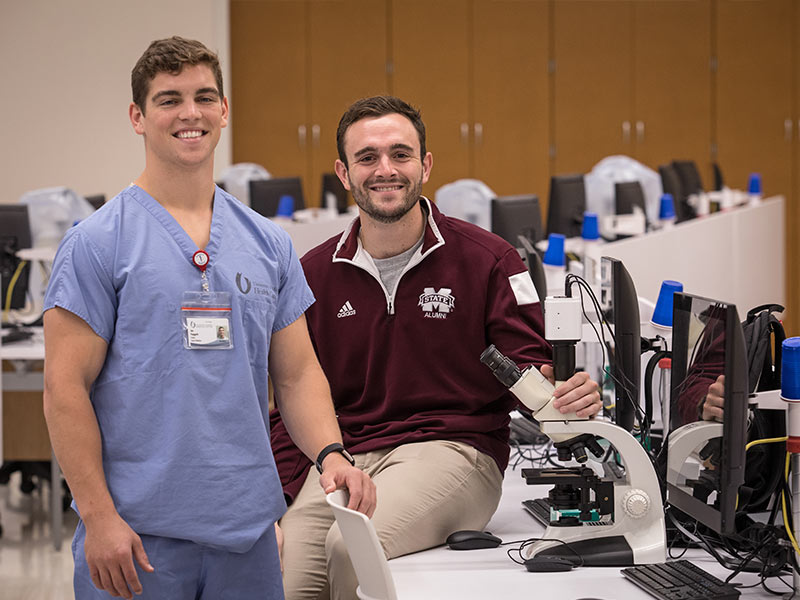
pixel 30 567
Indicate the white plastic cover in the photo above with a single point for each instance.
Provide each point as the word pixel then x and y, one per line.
pixel 52 211
pixel 236 179
pixel 467 199
pixel 599 184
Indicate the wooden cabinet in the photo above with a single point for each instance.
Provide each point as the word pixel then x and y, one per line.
pixel 296 66
pixel 592 83
pixel 756 110
pixel 510 95
pixel 631 78
pixel 478 71
pixel 672 83
pixel 431 70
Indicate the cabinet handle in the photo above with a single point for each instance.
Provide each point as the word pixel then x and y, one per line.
pixel 626 132
pixel 478 128
pixel 301 135
pixel 639 131
pixel 315 135
pixel 464 133
pixel 787 129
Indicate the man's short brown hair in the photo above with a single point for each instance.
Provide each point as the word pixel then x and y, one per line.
pixel 170 55
pixel 378 106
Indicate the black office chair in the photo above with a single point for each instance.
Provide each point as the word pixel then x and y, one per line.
pixel 719 182
pixel 566 205
pixel 672 185
pixel 689 176
pixel 265 194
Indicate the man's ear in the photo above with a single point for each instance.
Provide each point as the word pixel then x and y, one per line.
pixel 225 109
pixel 427 165
pixel 341 173
pixel 137 118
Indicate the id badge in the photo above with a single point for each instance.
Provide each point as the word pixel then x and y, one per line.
pixel 206 321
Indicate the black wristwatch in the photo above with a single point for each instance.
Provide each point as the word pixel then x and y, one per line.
pixel 335 447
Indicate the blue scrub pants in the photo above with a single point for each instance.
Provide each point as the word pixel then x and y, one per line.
pixel 188 571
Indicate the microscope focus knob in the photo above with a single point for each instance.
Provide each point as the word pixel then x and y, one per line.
pixel 636 503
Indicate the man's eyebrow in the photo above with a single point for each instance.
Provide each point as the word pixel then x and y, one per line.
pixel 163 93
pixel 176 93
pixel 398 146
pixel 207 90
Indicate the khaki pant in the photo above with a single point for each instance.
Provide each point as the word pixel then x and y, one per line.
pixel 426 491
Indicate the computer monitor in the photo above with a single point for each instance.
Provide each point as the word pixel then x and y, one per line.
pixel 513 216
pixel 627 195
pixel 265 194
pixel 706 459
pixel 333 185
pixel 96 200
pixel 620 306
pixel 15 234
pixel 535 266
pixel 566 205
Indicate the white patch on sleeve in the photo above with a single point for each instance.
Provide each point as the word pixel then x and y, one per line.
pixel 524 290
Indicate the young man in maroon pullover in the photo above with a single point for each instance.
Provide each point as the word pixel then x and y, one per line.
pixel 407 299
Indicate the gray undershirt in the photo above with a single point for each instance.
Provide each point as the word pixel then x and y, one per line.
pixel 391 268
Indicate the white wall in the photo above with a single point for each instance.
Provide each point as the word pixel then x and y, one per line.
pixel 65 87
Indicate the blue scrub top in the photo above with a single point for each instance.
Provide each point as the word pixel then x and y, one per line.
pixel 185 433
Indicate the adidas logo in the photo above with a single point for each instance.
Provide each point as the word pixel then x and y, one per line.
pixel 347 310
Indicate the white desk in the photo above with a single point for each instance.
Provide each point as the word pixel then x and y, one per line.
pixel 33 349
pixel 736 256
pixel 446 574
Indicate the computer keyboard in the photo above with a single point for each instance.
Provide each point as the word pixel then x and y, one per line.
pixel 679 580
pixel 539 509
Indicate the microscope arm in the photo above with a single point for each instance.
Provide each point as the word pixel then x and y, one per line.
pixel 682 442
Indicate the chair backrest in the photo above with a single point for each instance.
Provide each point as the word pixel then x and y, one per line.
pixel 366 553
pixel 566 205
pixel 671 183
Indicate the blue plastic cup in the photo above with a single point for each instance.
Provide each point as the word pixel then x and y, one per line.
pixel 662 315
pixel 554 255
pixel 285 207
pixel 790 368
pixel 754 184
pixel 666 209
pixel 589 229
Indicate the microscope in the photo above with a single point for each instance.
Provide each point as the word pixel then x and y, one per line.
pixel 613 519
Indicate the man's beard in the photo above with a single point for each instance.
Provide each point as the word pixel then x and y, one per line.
pixel 361 195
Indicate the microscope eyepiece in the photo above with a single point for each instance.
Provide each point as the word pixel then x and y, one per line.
pixel 503 368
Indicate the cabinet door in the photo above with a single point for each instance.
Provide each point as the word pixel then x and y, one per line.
pixel 430 54
pixel 754 92
pixel 348 61
pixel 592 83
pixel 510 92
pixel 268 95
pixel 672 83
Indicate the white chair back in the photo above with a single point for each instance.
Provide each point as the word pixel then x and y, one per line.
pixel 372 569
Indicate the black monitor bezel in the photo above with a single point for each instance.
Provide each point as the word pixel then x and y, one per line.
pixel 626 359
pixel 517 215
pixel 15 226
pixel 734 428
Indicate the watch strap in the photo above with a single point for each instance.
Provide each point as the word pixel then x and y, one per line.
pixel 335 447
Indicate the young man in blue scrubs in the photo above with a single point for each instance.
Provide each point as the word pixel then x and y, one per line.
pixel 158 422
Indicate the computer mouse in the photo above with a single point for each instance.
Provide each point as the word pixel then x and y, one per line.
pixel 469 539
pixel 548 563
